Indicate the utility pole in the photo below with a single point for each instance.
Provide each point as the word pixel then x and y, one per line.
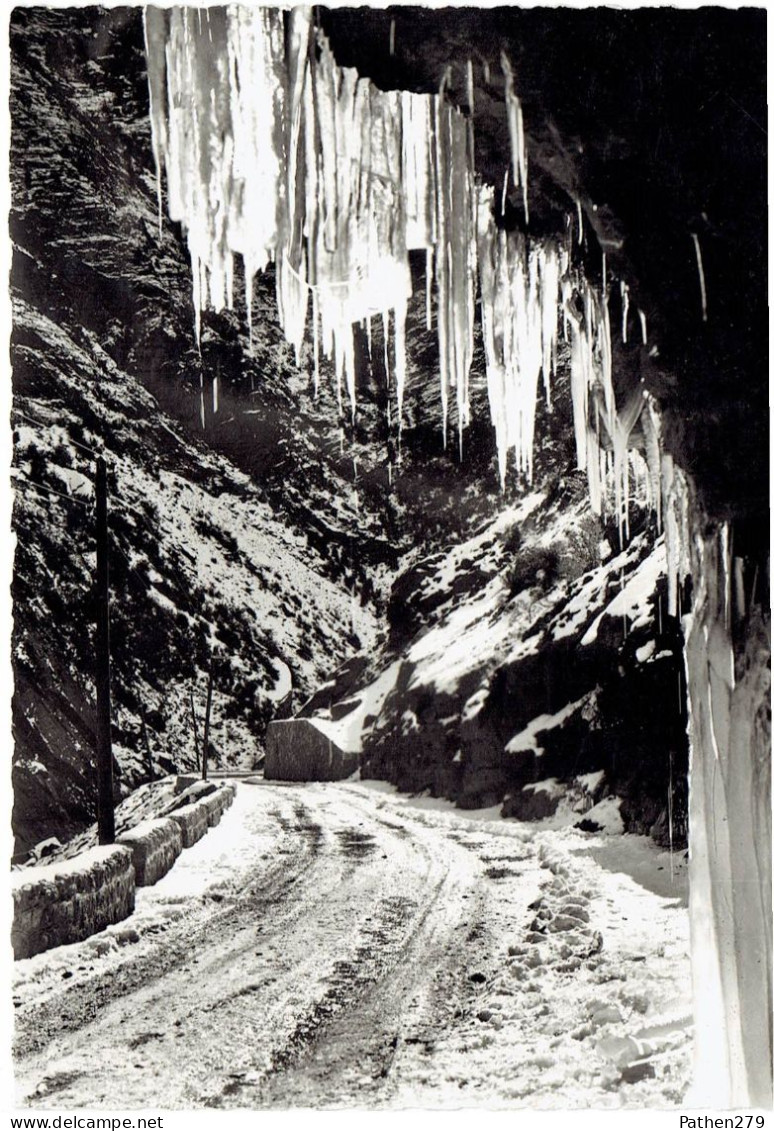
pixel 105 814
pixel 205 750
pixel 195 732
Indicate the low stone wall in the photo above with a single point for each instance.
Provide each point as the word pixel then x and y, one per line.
pixel 155 846
pixel 192 821
pixel 67 902
pixel 216 803
pixel 298 750
pixel 73 899
pixel 192 789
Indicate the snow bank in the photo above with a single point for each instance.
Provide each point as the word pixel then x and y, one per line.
pixel 155 846
pixel 193 821
pixel 68 901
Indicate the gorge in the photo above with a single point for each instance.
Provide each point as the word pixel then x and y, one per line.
pixel 523 585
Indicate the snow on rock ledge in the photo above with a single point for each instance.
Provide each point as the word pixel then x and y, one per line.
pixel 67 902
pixel 155 846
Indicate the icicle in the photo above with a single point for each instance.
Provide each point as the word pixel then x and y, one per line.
pixel 196 297
pixel 487 76
pixel 386 338
pixel 217 138
pixel 643 326
pixel 504 197
pixel 580 221
pixel 215 395
pixel 625 310
pixel 249 306
pixel 428 288
pixel 549 304
pixel 470 93
pixel 456 258
pixel 740 605
pixel 400 361
pixel 519 312
pixel 516 131
pixel 725 556
pixel 417 170
pixel 392 37
pixel 702 283
pixel 316 342
pixel 154 30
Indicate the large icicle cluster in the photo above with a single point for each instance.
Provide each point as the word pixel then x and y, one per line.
pixel 273 152
pixel 217 90
pixel 519 305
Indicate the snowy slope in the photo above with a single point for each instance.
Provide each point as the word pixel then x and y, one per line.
pixel 514 676
pixel 202 571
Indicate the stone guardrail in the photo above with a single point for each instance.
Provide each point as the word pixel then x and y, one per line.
pixel 155 846
pixel 69 901
pixel 192 821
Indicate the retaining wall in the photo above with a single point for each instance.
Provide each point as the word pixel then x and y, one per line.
pixel 297 750
pixel 216 803
pixel 67 902
pixel 193 788
pixel 192 821
pixel 155 846
pixel 73 899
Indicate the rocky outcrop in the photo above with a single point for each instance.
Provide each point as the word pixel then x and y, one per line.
pixel 558 679
pixel 300 750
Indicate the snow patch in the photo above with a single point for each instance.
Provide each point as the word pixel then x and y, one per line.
pixel 527 739
pixel 634 600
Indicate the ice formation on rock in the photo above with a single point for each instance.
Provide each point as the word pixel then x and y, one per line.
pixel 516 131
pixel 702 281
pixel 455 259
pixel 519 311
pixel 274 152
pixel 217 89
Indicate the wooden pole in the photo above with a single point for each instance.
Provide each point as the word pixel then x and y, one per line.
pixel 195 732
pixel 105 815
pixel 205 751
pixel 146 741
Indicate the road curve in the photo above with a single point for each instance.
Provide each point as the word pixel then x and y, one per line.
pixel 331 948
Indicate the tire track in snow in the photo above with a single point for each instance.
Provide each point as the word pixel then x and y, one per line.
pixel 250 990
pixel 369 952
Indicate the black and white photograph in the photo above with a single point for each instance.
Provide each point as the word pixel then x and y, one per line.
pixel 388 655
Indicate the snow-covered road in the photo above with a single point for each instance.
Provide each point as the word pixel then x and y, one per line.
pixel 332 945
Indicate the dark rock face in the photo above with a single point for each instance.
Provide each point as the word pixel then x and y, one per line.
pixel 654 120
pixel 588 692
